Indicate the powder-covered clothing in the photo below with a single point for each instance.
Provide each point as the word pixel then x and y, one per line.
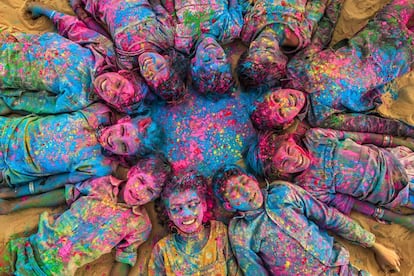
pixel 342 170
pixel 55 148
pixel 288 237
pixel 220 18
pixel 135 27
pixel 48 73
pixel 94 225
pixel 213 259
pixel 350 76
pixel 300 16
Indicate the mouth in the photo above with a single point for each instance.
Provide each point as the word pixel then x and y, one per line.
pixel 292 100
pixel 188 222
pixel 253 198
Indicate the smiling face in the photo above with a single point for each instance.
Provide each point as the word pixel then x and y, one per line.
pixel 291 158
pixel 154 68
pixel 263 49
pixel 210 54
pixel 242 193
pixel 186 210
pixel 114 89
pixel 139 189
pixel 121 138
pixel 284 105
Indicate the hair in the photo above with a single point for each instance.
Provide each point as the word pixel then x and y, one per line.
pixel 181 183
pixel 220 178
pixel 155 164
pixel 211 81
pixel 260 152
pixel 151 139
pixel 261 73
pixel 261 116
pixel 136 105
pixel 174 89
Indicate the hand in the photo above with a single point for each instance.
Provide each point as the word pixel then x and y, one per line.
pixel 7 192
pixel 5 207
pixel 38 9
pixel 387 258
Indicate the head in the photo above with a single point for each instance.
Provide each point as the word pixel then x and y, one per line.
pixel 161 76
pixel 123 90
pixel 263 64
pixel 277 156
pixel 187 202
pixel 278 108
pixel 131 136
pixel 210 68
pixel 236 189
pixel 145 180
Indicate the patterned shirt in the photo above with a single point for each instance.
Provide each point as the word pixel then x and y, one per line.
pixel 135 27
pixel 342 170
pixel 94 225
pixel 48 73
pixel 215 258
pixel 53 148
pixel 219 18
pixel 351 75
pixel 287 236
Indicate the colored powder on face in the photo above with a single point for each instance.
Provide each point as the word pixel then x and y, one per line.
pixel 204 134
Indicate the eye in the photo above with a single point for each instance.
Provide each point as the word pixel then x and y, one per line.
pixel 124 148
pixel 193 204
pixel 175 210
pixel 151 191
pixel 122 130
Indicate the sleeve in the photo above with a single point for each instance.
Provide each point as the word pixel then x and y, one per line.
pixel 249 261
pixel 77 31
pixel 227 26
pixel 232 266
pixel 330 218
pixel 72 98
pixel 319 136
pixel 163 16
pixel 126 250
pixel 368 123
pixel 156 262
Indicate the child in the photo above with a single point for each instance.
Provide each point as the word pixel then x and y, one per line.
pixel 286 110
pixel 198 244
pixel 142 34
pixel 55 73
pixel 346 170
pixel 281 230
pixel 43 153
pixel 273 29
pixel 201 28
pixel 105 213
pixel 350 76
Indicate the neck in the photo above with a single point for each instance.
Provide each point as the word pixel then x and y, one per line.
pixel 191 243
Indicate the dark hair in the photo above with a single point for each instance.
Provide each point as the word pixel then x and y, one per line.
pixel 174 89
pixel 155 164
pixel 260 73
pixel 220 178
pixel 181 183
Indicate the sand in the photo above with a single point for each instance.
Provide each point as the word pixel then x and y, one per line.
pixel 354 15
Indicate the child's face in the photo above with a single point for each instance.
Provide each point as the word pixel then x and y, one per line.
pixel 291 158
pixel 140 188
pixel 114 89
pixel 154 68
pixel 243 193
pixel 284 105
pixel 262 49
pixel 186 210
pixel 211 56
pixel 122 138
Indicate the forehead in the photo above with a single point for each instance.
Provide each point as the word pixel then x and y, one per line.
pixel 183 197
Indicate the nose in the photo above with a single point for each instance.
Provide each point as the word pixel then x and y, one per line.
pixel 186 212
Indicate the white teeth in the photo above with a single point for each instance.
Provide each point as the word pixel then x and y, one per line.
pixel 189 222
pixel 103 85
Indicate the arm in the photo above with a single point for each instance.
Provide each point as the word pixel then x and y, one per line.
pixel 384 214
pixel 156 262
pixel 120 269
pixel 48 199
pixel 368 123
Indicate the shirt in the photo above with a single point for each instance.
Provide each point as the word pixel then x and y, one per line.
pixel 287 235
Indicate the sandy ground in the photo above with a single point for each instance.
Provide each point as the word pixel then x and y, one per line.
pixel 353 17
